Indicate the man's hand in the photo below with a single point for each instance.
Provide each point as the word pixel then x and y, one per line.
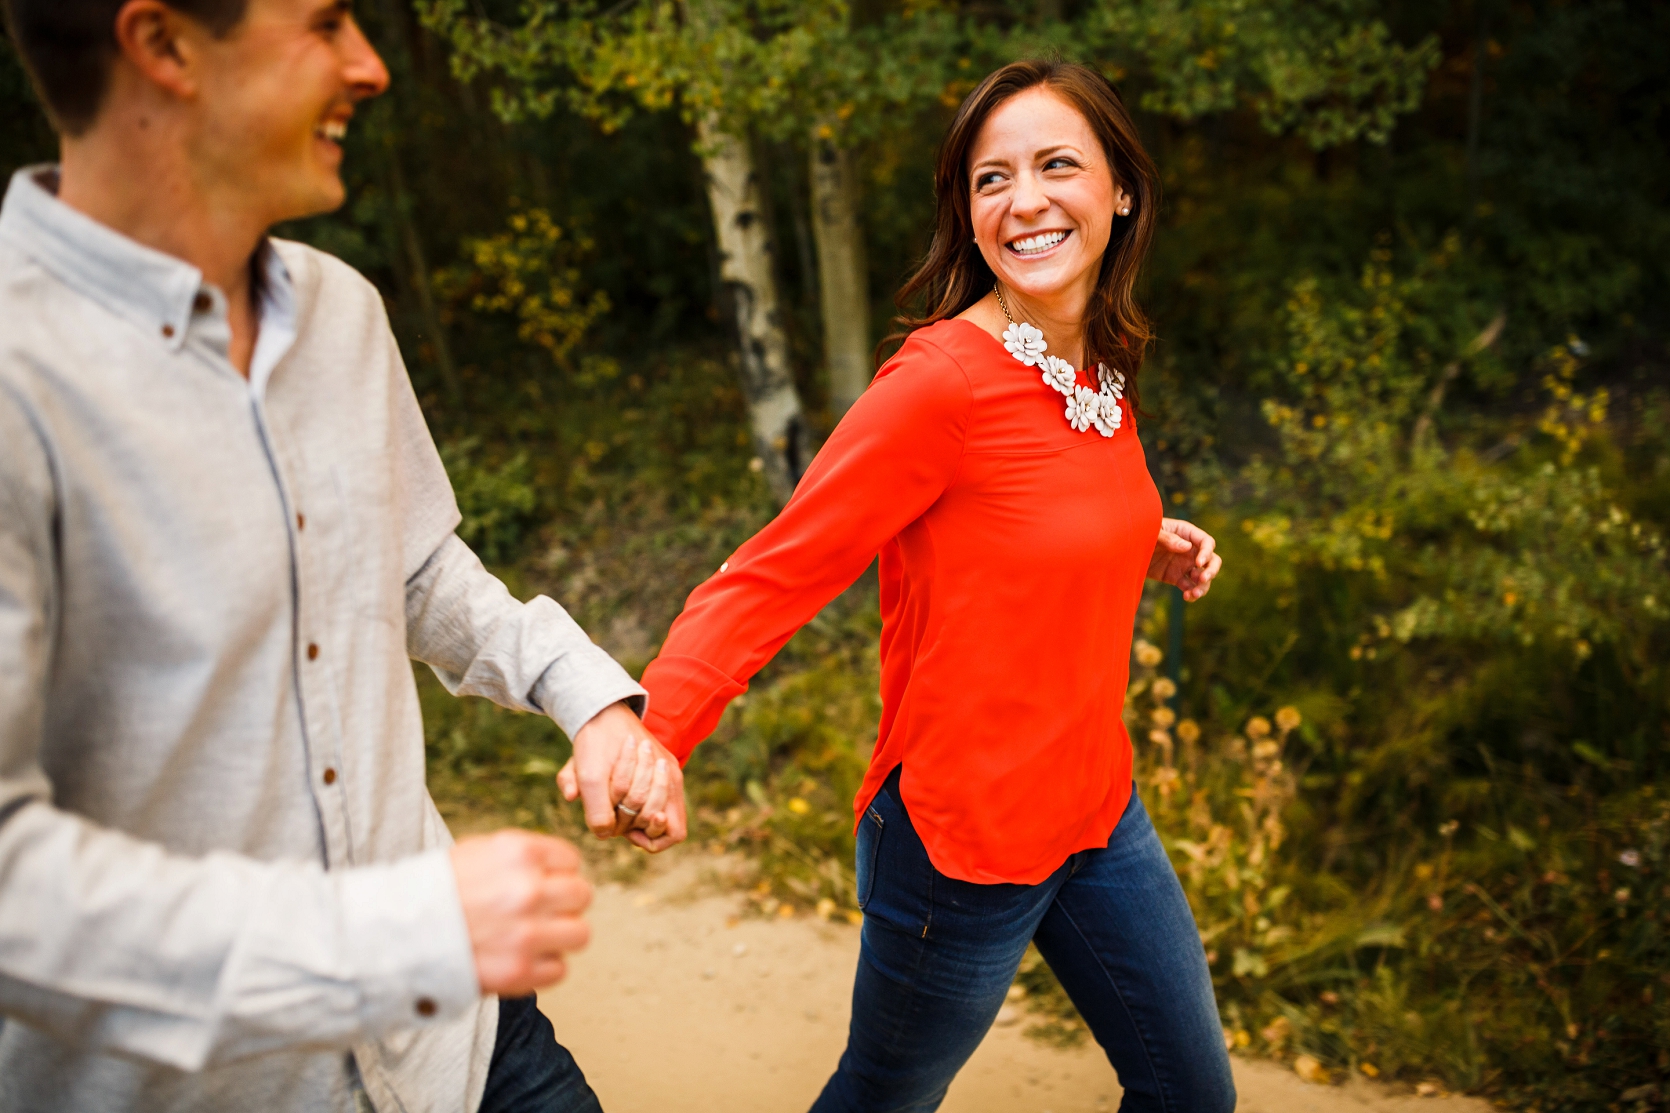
pixel 522 895
pixel 630 784
pixel 1183 555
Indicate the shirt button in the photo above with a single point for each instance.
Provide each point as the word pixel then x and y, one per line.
pixel 202 303
pixel 426 1006
pixel 168 332
pixel 312 651
pixel 330 776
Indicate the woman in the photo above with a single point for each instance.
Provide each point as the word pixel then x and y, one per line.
pixel 1008 498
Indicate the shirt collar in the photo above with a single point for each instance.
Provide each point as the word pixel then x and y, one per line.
pixel 277 308
pixel 154 290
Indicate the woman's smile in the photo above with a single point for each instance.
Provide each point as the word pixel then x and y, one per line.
pixel 1037 244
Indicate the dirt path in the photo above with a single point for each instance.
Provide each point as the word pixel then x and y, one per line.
pixel 679 1006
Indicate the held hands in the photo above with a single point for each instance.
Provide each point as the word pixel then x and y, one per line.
pixel 630 784
pixel 1184 555
pixel 522 895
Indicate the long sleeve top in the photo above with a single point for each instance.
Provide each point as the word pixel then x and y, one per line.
pixel 220 870
pixel 1012 553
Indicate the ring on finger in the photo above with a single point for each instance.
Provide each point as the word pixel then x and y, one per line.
pixel 633 812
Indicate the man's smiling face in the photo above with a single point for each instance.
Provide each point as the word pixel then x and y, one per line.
pixel 274 100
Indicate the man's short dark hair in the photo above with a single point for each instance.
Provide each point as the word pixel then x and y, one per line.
pixel 68 47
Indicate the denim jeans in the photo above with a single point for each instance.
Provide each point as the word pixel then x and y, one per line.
pixel 938 955
pixel 531 1072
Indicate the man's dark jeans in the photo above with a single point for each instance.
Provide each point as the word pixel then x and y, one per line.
pixel 938 956
pixel 531 1072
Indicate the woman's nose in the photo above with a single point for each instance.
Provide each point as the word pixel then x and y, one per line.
pixel 1028 199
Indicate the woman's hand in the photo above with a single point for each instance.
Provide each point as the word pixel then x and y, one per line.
pixel 1184 556
pixel 630 784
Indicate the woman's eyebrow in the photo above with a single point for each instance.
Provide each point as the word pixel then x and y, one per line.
pixel 1045 152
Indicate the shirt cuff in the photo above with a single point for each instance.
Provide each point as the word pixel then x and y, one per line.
pixel 583 682
pixel 408 942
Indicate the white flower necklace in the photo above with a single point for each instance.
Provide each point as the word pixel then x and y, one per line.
pixel 1085 407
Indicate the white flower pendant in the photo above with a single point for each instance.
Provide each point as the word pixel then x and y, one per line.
pixel 1086 408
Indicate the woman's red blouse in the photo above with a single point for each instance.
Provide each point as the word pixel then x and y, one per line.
pixel 1013 551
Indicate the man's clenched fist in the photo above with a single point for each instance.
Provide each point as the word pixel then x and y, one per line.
pixel 523 896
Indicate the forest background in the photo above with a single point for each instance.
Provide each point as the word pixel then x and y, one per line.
pixel 1410 284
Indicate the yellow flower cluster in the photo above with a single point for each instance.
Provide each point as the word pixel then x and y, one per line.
pixel 530 272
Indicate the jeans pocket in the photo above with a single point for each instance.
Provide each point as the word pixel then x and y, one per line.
pixel 869 845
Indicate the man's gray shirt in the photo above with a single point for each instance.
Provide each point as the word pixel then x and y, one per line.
pixel 220 869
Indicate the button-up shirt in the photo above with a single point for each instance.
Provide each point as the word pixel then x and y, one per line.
pixel 223 884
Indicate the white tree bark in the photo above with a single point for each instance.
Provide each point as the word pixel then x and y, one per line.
pixel 745 268
pixel 843 280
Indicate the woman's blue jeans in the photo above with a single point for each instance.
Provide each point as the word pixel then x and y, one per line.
pixel 938 956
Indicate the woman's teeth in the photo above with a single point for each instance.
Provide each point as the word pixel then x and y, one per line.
pixel 334 130
pixel 1034 244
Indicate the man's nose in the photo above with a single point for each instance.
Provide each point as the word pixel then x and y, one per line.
pixel 363 66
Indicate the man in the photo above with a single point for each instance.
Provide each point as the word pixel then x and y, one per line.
pixel 223 529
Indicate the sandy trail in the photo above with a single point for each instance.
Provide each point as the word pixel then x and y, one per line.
pixel 678 1005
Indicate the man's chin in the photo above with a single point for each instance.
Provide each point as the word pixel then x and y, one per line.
pixel 325 196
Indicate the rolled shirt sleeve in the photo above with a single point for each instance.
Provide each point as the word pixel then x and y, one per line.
pixel 463 622
pixel 481 641
pixel 111 942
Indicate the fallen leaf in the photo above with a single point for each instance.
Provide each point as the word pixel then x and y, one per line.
pixel 1312 1071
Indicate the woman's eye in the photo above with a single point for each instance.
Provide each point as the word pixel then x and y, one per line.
pixel 985 180
pixel 1059 163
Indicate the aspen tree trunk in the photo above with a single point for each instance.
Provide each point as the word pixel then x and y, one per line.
pixel 843 281
pixel 746 270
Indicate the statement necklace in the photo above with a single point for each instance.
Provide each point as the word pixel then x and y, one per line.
pixel 1085 407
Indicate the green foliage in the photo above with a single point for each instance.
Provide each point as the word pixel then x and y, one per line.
pixel 531 272
pixel 1331 72
pixel 1424 876
pixel 496 503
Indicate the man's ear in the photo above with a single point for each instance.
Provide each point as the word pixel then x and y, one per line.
pixel 162 43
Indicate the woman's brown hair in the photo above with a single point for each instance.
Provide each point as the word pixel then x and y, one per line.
pixel 954 275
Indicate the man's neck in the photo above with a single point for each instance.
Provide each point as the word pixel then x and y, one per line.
pixel 131 179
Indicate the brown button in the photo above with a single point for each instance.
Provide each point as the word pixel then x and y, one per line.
pixel 301 521
pixel 312 651
pixel 202 303
pixel 168 332
pixel 330 776
pixel 425 1006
